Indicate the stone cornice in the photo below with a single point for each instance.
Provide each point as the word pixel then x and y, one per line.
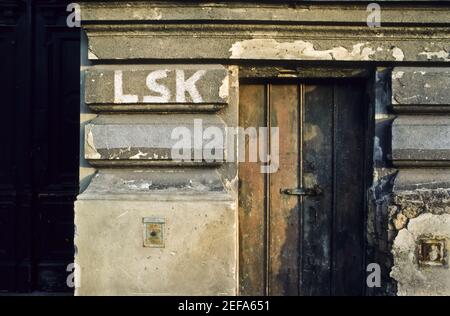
pixel 159 12
pixel 157 31
pixel 267 42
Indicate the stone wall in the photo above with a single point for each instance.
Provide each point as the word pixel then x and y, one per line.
pixel 419 213
pixel 409 198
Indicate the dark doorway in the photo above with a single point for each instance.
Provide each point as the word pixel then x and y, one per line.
pixel 39 66
pixel 301 228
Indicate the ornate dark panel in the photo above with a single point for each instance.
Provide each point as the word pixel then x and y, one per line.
pixel 40 144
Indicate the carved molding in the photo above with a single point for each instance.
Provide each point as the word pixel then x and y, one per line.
pixel 324 13
pixel 267 42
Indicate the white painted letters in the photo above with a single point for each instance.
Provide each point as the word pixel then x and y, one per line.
pixel 119 97
pixel 156 87
pixel 184 86
pixel 161 91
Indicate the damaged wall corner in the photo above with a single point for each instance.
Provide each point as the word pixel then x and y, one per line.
pixel 420 208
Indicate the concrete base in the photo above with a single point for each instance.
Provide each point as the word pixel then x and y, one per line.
pixel 198 258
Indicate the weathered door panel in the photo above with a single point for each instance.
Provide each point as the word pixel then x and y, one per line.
pixel 283 209
pixel 252 215
pixel 313 244
pixel 350 171
pixel 317 170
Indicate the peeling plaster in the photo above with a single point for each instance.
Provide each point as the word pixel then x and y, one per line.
pixel 413 279
pixel 397 53
pixel 91 55
pixel 440 55
pixel 91 151
pixel 397 74
pixel 231 185
pixel 272 49
pixel 224 88
pixel 86 117
pixel 153 14
pixel 139 155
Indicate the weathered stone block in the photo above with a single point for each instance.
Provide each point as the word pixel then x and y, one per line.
pixel 420 87
pixel 413 277
pixel 156 87
pixel 153 139
pixel 157 184
pixel 198 256
pixel 426 178
pixel 421 140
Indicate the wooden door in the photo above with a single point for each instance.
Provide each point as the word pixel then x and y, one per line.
pixel 309 242
pixel 40 86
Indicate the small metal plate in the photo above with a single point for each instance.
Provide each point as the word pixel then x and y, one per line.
pixel 432 252
pixel 154 232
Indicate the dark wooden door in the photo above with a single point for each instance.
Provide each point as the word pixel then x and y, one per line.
pixel 39 124
pixel 310 242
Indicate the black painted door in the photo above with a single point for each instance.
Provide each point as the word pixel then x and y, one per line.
pixel 39 124
pixel 302 227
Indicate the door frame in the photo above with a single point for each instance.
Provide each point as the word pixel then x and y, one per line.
pixel 312 73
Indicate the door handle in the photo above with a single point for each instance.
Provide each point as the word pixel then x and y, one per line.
pixel 314 191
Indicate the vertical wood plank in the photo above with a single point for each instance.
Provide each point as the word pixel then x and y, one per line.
pixel 348 226
pixel 317 170
pixel 252 189
pixel 284 217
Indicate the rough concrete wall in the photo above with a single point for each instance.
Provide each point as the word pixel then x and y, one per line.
pixel 419 212
pixel 425 237
pixel 198 254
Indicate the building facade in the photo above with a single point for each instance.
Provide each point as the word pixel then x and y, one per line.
pixel 234 148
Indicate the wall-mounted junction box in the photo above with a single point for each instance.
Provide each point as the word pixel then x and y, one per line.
pixel 153 232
